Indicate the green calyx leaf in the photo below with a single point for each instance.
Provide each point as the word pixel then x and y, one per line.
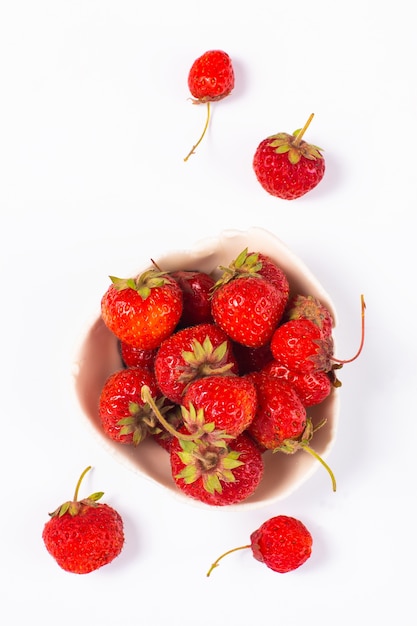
pixel 204 360
pixel 194 421
pixel 142 420
pixel 243 265
pixel 212 464
pixel 142 284
pixel 284 143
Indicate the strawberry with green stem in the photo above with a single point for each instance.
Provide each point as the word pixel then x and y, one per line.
pixel 245 304
pixel 288 167
pixel 217 472
pixel 211 78
pixel 142 311
pixel 301 346
pixel 208 464
pixel 282 543
pixel 84 535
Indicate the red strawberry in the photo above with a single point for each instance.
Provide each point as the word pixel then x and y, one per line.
pixel 83 535
pixel 248 309
pixel 136 357
pixel 310 308
pixel 280 414
pixel 124 416
pixel 229 402
pixel 142 311
pixel 210 78
pixel 282 543
pixel 196 289
pixel 300 346
pixel 288 167
pixel 246 305
pixel 214 472
pixel 192 353
pixel 312 388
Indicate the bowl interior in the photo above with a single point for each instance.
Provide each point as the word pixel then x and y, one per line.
pixel 99 357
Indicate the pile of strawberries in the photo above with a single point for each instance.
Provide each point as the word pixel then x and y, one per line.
pixel 218 372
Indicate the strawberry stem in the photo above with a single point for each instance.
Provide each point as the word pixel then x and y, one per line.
pixel 302 131
pixel 87 469
pixel 147 397
pixel 202 135
pixel 313 453
pixel 216 562
pixel 344 361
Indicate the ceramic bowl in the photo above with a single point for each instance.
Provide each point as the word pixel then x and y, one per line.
pixel 99 357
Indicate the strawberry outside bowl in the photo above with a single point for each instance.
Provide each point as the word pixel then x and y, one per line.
pixel 99 356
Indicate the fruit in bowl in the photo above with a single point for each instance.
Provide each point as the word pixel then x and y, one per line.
pixel 213 408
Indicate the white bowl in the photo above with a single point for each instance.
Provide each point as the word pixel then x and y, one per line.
pixel 99 357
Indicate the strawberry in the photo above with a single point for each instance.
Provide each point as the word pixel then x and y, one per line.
pixel 124 416
pixel 286 166
pixel 192 353
pixel 245 304
pixel 280 414
pixel 83 535
pixel 215 472
pixel 282 543
pixel 230 402
pixel 309 307
pixel 142 311
pixel 137 357
pixel 312 387
pixel 196 289
pixel 300 346
pixel 211 78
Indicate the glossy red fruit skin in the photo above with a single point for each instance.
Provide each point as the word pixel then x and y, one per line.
pixel 211 76
pixel 120 390
pixel 251 359
pixel 312 387
pixel 282 179
pixel 196 288
pixel 85 542
pixel 247 476
pixel 248 309
pixel 301 347
pixel 170 364
pixel 228 401
pixel 137 357
pixel 280 414
pixel 143 323
pixel 282 543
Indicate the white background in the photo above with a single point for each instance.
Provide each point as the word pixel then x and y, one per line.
pixel 94 124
